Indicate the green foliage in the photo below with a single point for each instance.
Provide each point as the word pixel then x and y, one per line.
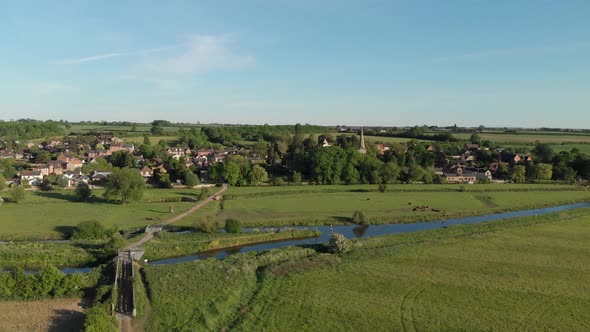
pixel 62 181
pixel 122 159
pixel 203 194
pixel 382 187
pixel 296 178
pixel 92 229
pixel 258 175
pixel 191 179
pixel 126 184
pixel 233 226
pixel 29 129
pixel 18 194
pixel 339 244
pixel 518 173
pixel 50 282
pixel 45 185
pixel 2 182
pixel 358 218
pixel 99 320
pixel 82 191
pixel 205 225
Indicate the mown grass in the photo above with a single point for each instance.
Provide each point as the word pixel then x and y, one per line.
pixel 55 214
pixel 213 297
pixel 169 244
pixel 308 205
pixel 531 277
pixel 519 274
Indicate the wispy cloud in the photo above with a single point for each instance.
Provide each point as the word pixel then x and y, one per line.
pixel 202 54
pixel 508 52
pixel 89 58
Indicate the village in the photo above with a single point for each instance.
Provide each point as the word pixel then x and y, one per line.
pixel 74 162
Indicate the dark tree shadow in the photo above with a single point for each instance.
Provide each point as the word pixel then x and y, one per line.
pixel 67 320
pixel 148 291
pixel 66 231
pixel 359 231
pixel 72 198
pixel 347 220
pixel 152 210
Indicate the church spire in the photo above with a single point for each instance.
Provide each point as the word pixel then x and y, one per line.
pixel 362 148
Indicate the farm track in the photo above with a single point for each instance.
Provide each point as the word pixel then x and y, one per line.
pixel 407 307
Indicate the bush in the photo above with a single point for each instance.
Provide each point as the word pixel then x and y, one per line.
pixel 82 191
pixel 191 179
pixel 17 194
pixel 233 226
pixel 358 218
pixel 92 229
pixel 382 188
pixel 296 177
pixel 203 194
pixel 45 185
pixel 339 244
pixel 205 225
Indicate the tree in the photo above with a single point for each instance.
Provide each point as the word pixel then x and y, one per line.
pixel 475 138
pixel 518 173
pixel 358 218
pixel 339 244
pixel 82 191
pixel 157 131
pixel 62 181
pixel 543 152
pixel 382 187
pixel 542 171
pixel 122 159
pixel 146 140
pixel 2 182
pixel 125 184
pixel 231 173
pixel 258 175
pixel 233 226
pixel 163 180
pixel 43 157
pixel 191 179
pixel 17 194
pixel 45 185
pixel 92 229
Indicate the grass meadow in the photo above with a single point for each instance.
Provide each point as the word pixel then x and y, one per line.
pixel 525 274
pixel 55 214
pixel 309 205
pixel 527 138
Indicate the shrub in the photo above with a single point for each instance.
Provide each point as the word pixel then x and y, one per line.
pixel 203 194
pixel 339 244
pixel 2 182
pixel 358 218
pixel 191 179
pixel 205 225
pixel 17 194
pixel 45 185
pixel 296 177
pixel 82 191
pixel 92 229
pixel 382 187
pixel 233 226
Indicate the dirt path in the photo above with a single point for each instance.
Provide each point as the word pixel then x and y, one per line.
pixel 181 216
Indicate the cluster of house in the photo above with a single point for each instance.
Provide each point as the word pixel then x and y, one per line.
pixel 69 165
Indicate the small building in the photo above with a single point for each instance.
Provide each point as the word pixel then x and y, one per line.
pixel 33 177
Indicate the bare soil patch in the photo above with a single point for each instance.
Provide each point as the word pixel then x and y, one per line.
pixel 45 315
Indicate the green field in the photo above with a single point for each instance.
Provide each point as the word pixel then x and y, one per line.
pixel 528 138
pixel 308 205
pixel 511 275
pixel 50 215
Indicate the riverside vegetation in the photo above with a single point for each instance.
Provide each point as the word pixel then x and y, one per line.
pixel 515 274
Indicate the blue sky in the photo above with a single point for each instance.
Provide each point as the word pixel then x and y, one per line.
pixel 496 63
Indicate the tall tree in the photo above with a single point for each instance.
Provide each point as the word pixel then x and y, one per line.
pixel 258 175
pixel 125 184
